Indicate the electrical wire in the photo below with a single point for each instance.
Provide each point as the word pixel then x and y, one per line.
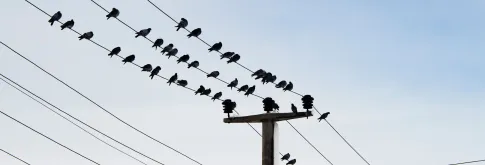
pixel 72 122
pixel 14 156
pixel 476 161
pixel 92 161
pixel 347 142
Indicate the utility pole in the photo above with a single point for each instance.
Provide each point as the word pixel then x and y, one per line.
pixel 268 121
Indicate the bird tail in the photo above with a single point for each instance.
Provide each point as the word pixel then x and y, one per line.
pixel 80 37
pixel 178 28
pixel 208 75
pixel 178 61
pixel 319 120
pixel 210 49
pixel 52 22
pixel 229 61
pixel 189 35
pixel 137 35
pixel 189 66
pixel 169 83
pixel 151 76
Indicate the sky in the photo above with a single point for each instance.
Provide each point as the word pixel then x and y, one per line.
pixel 403 80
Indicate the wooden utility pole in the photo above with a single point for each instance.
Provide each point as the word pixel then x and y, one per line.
pixel 268 121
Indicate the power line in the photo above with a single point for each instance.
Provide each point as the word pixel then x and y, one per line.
pixel 347 142
pixel 57 113
pixel 469 162
pixel 48 138
pixel 14 156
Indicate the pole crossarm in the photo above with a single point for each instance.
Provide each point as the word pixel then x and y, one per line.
pixel 267 117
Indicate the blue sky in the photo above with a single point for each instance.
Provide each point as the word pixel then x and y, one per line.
pixel 402 79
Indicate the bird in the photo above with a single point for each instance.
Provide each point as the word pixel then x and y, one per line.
pixel 276 107
pixel 87 35
pixel 172 52
pixel 291 162
pixel 167 48
pixel 195 33
pixel 56 17
pixel 227 55
pixel 216 96
pixel 233 83
pixel 114 13
pixel 130 58
pixel 281 84
pixel 250 90
pixel 155 72
pixel 69 24
pixel 183 58
pixel 286 156
pixel 158 43
pixel 206 92
pixel 258 72
pixel 115 51
pixel 182 24
pixel 216 47
pixel 200 90
pixel 213 74
pixel 234 58
pixel 323 116
pixel 243 88
pixel 267 77
pixel 182 83
pixel 272 79
pixel 172 79
pixel 288 87
pixel 146 68
pixel 293 108
pixel 143 32
pixel 194 64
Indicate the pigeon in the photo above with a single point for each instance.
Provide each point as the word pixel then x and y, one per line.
pixel 200 90
pixel 146 68
pixel 216 47
pixel 288 87
pixel 276 107
pixel 243 88
pixel 250 90
pixel 182 24
pixel 115 51
pixel 217 96
pixel 194 64
pixel 206 92
pixel 281 84
pixel 167 48
pixel 234 58
pixel 69 24
pixel 272 79
pixel 291 162
pixel 182 83
pixel 267 77
pixel 87 35
pixel 213 74
pixel 195 33
pixel 183 58
pixel 286 156
pixel 158 43
pixel 172 79
pixel 323 116
pixel 114 13
pixel 258 72
pixel 293 108
pixel 155 71
pixel 172 52
pixel 233 83
pixel 56 17
pixel 143 32
pixel 130 58
pixel 227 55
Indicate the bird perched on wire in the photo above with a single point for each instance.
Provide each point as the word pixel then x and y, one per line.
pixel 194 64
pixel 291 162
pixel 172 52
pixel 69 24
pixel 87 35
pixel 155 72
pixel 182 24
pixel 143 32
pixel 158 43
pixel 114 13
pixel 293 108
pixel 286 156
pixel 258 72
pixel 288 87
pixel 167 48
pixel 281 84
pixel 323 116
pixel 200 90
pixel 115 51
pixel 216 47
pixel 217 96
pixel 234 58
pixel 213 74
pixel 250 90
pixel 182 83
pixel 206 92
pixel 146 68
pixel 130 58
pixel 267 77
pixel 56 17
pixel 227 55
pixel 172 79
pixel 183 58
pixel 195 33
pixel 233 83
pixel 243 88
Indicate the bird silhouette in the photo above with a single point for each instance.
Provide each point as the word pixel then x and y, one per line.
pixel 288 87
pixel 167 48
pixel 250 90
pixel 158 43
pixel 267 77
pixel 234 58
pixel 183 58
pixel 195 33
pixel 293 108
pixel 323 116
pixel 216 47
pixel 291 162
pixel 115 51
pixel 130 58
pixel 182 83
pixel 281 84
pixel 146 68
pixel 227 55
pixel 143 32
pixel 56 17
pixel 194 64
pixel 172 79
pixel 172 52
pixel 243 88
pixel 155 72
pixel 272 79
pixel 216 96
pixel 286 156
pixel 276 107
pixel 87 35
pixel 114 13
pixel 213 74
pixel 258 72
pixel 200 90
pixel 182 24
pixel 233 83
pixel 206 92
pixel 69 24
